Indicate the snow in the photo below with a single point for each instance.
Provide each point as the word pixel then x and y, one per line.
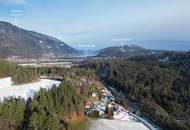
pixel 124 115
pixel 166 59
pixel 7 89
pixel 41 41
pixel 144 121
pixel 122 118
pixel 153 52
pixel 148 124
pixel 104 124
pixel 49 47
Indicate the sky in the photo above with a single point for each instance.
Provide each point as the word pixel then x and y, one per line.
pixel 154 24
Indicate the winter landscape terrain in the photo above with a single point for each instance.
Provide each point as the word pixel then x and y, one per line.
pixel 122 118
pixel 25 91
pixel 104 124
pixel 94 65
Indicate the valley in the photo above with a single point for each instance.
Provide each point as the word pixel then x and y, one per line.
pixel 45 84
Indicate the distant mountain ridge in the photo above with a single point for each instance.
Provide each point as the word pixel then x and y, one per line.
pixel 18 42
pixel 126 51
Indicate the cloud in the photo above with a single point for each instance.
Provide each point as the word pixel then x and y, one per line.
pixel 12 2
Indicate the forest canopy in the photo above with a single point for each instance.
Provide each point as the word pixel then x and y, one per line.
pixel 162 89
pixel 20 75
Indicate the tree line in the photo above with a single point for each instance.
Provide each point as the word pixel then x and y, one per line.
pixel 53 109
pixel 20 75
pixel 6 69
pixel 162 90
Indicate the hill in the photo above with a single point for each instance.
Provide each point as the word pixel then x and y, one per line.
pixel 126 51
pixel 159 87
pixel 18 42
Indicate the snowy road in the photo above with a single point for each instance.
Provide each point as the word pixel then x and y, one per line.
pixel 127 116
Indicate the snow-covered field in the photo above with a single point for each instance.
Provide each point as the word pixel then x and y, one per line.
pixel 124 116
pixel 104 124
pixel 24 91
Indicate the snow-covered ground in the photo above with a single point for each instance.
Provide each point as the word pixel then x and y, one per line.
pixel 124 115
pixel 104 124
pixel 24 91
pixel 122 118
pixel 151 126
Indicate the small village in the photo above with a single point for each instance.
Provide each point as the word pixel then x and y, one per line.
pixel 99 106
pixel 106 108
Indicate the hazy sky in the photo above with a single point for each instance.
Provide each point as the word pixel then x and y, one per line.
pixel 158 24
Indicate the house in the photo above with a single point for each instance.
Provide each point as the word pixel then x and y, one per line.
pixel 110 105
pixel 88 105
pixel 101 113
pixel 94 95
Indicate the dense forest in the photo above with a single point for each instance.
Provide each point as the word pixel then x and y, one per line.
pixel 6 69
pixel 20 75
pixel 25 75
pixel 56 109
pixel 161 88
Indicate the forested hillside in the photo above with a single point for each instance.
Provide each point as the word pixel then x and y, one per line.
pixel 127 51
pixel 56 109
pixel 162 89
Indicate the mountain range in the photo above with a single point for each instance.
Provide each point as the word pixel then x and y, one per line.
pixel 20 43
pixel 15 41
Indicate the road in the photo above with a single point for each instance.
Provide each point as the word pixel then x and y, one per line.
pixel 148 123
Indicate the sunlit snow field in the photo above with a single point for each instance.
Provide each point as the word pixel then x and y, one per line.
pixel 104 124
pixel 7 89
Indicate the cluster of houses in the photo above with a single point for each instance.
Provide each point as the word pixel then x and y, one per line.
pixel 101 105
